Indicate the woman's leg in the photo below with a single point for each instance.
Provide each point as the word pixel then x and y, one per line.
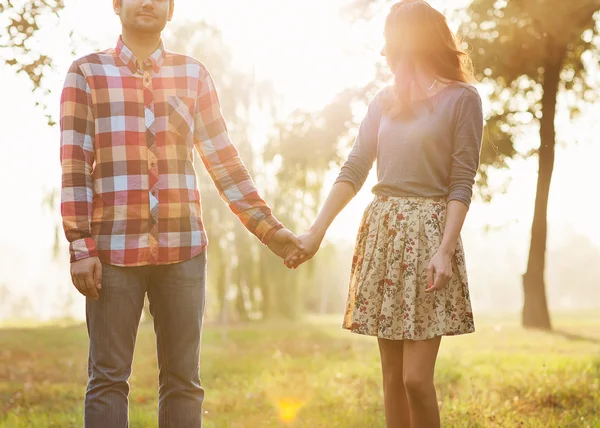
pixel 419 365
pixel 396 404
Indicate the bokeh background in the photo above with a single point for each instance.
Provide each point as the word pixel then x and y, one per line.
pixel 294 80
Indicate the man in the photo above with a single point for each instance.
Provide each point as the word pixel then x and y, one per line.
pixel 130 119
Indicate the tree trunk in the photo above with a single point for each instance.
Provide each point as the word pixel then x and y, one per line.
pixel 535 307
pixel 240 301
pixel 219 270
pixel 266 305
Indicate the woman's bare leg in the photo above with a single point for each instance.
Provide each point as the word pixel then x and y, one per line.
pixel 419 366
pixel 395 400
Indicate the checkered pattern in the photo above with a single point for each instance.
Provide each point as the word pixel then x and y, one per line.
pixel 128 130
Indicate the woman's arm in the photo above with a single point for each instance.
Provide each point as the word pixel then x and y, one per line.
pixel 341 194
pixel 455 218
pixel 440 267
pixel 468 133
pixel 352 177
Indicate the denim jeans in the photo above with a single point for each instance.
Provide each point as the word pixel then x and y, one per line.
pixel 176 293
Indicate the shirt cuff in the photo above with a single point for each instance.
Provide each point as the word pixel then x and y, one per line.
pixel 267 228
pixel 82 249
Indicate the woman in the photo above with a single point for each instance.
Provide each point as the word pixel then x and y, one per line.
pixel 408 282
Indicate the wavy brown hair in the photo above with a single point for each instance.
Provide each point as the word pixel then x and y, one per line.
pixel 418 36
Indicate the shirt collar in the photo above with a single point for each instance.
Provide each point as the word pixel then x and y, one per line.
pixel 126 55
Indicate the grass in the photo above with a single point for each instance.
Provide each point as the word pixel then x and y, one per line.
pixel 314 375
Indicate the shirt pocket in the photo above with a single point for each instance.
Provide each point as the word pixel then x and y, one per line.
pixel 181 120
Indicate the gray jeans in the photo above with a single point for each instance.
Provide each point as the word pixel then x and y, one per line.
pixel 176 293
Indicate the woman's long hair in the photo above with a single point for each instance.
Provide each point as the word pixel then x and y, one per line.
pixel 417 35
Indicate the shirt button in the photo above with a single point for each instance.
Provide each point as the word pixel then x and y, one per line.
pixel 152 164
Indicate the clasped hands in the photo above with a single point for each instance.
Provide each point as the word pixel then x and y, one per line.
pixel 295 250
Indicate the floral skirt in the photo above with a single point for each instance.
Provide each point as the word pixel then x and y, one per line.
pixel 397 239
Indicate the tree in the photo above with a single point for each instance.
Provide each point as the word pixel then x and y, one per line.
pixel 17 47
pixel 529 52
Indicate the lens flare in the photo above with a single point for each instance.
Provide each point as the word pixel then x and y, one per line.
pixel 288 409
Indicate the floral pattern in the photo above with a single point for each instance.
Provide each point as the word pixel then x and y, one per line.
pixel 397 239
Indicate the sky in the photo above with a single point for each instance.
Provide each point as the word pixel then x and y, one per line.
pixel 310 51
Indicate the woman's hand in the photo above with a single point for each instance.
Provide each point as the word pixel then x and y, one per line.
pixel 440 271
pixel 311 242
pixel 283 243
pixel 338 198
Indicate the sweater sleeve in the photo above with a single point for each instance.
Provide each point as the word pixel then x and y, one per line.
pixel 467 137
pixel 364 152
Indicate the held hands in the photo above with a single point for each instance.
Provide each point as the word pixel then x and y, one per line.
pixel 295 250
pixel 284 243
pixel 311 242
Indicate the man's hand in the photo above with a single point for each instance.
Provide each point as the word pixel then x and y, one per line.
pixel 86 275
pixel 312 243
pixel 284 243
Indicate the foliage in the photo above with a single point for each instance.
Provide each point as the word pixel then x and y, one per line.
pixel 511 43
pixel 18 47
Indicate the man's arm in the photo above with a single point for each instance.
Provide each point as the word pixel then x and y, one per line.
pixel 76 158
pixel 227 170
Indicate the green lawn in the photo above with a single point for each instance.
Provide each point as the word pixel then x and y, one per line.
pixel 316 375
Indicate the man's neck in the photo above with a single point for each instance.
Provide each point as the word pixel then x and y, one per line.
pixel 142 45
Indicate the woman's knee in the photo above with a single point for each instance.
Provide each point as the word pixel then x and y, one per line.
pixel 416 384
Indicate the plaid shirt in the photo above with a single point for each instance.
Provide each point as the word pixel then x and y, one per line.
pixel 128 130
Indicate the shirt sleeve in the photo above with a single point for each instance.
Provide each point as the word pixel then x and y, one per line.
pixel 364 152
pixel 76 158
pixel 226 168
pixel 467 138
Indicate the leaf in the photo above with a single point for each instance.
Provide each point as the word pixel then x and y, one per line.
pixel 23 26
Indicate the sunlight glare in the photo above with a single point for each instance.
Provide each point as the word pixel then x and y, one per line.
pixel 288 409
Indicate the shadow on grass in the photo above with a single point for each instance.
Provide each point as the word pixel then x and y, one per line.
pixel 576 337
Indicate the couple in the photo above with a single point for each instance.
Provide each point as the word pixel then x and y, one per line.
pixel 131 117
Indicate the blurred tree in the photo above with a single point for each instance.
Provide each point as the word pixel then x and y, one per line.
pixel 51 204
pixel 527 51
pixel 233 252
pixel 304 148
pixel 5 307
pixel 20 48
pixel 19 25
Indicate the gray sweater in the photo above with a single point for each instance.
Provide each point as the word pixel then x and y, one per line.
pixel 435 153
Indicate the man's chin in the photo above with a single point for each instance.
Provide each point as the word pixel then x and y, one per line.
pixel 149 29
